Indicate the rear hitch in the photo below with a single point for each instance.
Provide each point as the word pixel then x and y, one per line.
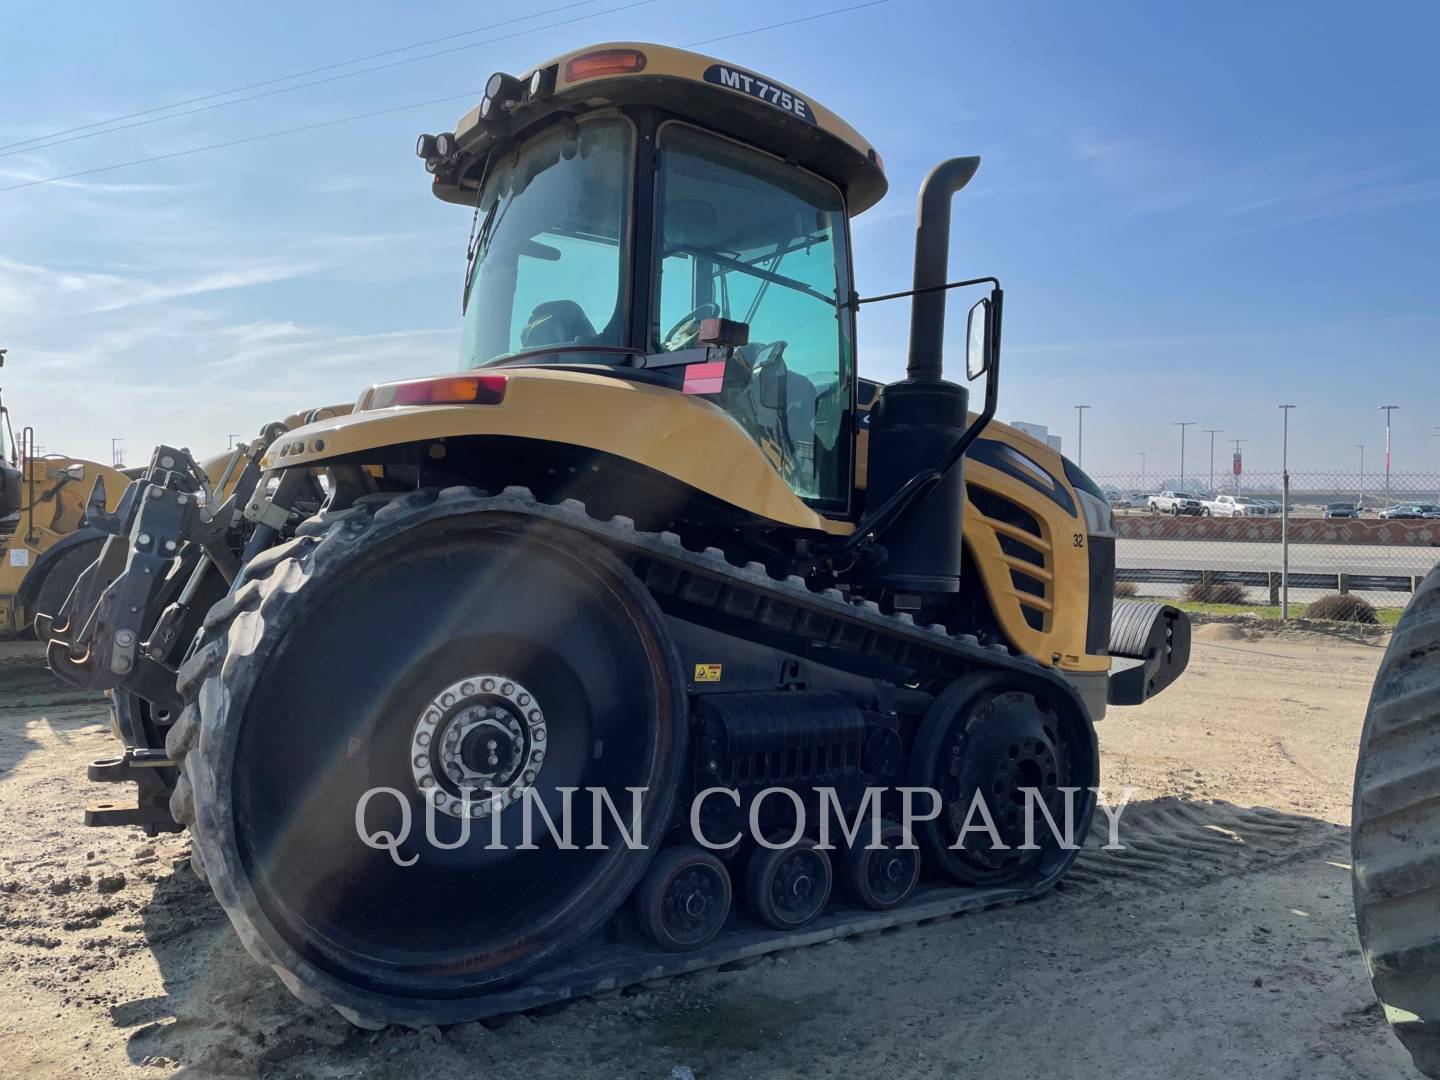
pixel 151 808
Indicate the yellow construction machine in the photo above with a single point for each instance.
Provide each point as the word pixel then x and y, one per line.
pixel 656 540
pixel 45 541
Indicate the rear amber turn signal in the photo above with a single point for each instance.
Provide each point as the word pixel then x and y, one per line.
pixel 445 390
pixel 604 62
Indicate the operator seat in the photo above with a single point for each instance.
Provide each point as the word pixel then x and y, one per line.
pixel 556 322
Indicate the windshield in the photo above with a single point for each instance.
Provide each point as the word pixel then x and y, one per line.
pixel 549 267
pixel 744 236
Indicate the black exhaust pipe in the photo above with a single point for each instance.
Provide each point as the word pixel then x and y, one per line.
pixel 917 423
pixel 932 264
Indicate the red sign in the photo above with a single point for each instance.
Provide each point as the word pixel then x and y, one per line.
pixel 1236 468
pixel 706 378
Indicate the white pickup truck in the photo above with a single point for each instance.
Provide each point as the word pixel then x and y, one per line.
pixel 1174 503
pixel 1236 506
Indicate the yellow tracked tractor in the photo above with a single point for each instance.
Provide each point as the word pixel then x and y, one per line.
pixel 1395 830
pixel 45 541
pixel 656 566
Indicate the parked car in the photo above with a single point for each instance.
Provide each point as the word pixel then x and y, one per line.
pixel 1411 510
pixel 1174 503
pixel 1118 501
pixel 1342 510
pixel 1235 506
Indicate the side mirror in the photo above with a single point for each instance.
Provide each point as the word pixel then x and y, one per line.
pixel 982 334
pixel 75 471
pixel 977 340
pixel 772 383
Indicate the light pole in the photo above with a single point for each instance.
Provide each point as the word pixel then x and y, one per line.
pixel 1360 506
pixel 1080 435
pixel 116 458
pixel 230 442
pixel 1387 410
pixel 1212 432
pixel 1182 425
pixel 1436 435
pixel 1142 470
pixel 1285 513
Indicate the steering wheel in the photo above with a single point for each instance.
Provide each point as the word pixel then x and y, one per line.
pixel 684 332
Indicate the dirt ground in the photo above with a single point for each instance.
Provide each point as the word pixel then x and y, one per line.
pixel 1220 943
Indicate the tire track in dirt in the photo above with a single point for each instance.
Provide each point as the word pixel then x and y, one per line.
pixel 1170 843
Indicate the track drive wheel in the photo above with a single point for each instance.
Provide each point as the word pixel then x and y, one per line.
pixel 984 743
pixel 434 668
pixel 684 898
pixel 884 877
pixel 1395 830
pixel 788 887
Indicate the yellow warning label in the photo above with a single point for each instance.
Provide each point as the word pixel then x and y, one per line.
pixel 707 672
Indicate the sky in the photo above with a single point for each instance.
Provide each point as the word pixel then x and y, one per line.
pixel 1198 211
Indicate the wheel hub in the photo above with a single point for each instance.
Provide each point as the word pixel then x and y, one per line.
pixel 689 898
pixel 484 734
pixel 795 882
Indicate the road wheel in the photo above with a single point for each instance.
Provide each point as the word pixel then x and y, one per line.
pixel 786 888
pixel 684 899
pixel 1395 833
pixel 984 742
pixel 389 658
pixel 881 878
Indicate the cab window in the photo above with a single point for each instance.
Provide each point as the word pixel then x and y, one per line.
pixel 744 236
pixel 550 258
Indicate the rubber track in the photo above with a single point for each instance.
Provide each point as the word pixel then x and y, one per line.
pixel 219 667
pixel 1395 821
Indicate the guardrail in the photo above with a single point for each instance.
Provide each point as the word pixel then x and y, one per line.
pixel 1272 580
pixel 1398 532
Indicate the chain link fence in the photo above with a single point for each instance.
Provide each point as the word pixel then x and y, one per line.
pixel 1348 533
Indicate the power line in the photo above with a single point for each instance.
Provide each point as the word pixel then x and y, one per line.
pixel 297 74
pixel 328 79
pixel 787 22
pixel 471 94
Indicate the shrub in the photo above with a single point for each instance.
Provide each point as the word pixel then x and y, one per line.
pixel 1125 589
pixel 1340 607
pixel 1215 592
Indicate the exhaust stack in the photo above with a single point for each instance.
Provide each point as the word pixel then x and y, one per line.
pixel 916 424
pixel 932 264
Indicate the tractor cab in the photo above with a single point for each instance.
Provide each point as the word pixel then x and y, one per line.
pixel 612 220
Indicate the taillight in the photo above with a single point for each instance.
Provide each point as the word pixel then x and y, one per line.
pixel 444 390
pixel 604 62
